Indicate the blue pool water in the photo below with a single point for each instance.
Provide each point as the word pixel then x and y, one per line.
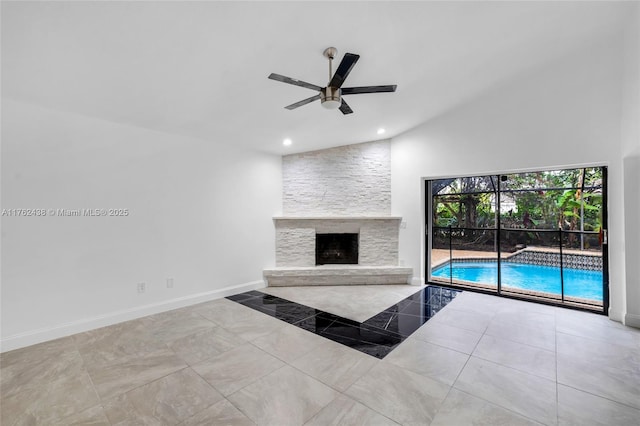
pixel 577 282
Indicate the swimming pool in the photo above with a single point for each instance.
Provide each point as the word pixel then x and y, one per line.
pixel 580 283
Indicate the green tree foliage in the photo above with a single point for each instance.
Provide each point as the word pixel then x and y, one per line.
pixel 569 199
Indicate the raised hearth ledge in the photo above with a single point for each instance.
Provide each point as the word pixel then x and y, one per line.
pixel 337 275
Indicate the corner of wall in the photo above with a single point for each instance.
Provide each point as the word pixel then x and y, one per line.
pixel 63 330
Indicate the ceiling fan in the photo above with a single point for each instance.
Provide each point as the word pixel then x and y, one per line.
pixel 331 95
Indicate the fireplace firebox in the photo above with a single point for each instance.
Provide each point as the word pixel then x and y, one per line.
pixel 336 249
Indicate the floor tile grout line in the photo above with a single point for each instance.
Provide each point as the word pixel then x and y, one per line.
pixel 510 368
pixel 467 361
pixel 498 405
pixel 215 355
pixel 239 408
pixel 396 304
pixel 517 341
pixel 206 408
pixel 100 404
pixel 277 357
pixel 479 397
pixel 93 386
pixel 363 402
pixel 599 396
pixel 367 343
pixel 601 341
pixel 518 369
pixel 522 343
pixel 308 419
pixel 442 346
pixel 303 319
pixel 453 385
pixel 148 383
pixel 376 360
pixel 513 369
pixel 249 384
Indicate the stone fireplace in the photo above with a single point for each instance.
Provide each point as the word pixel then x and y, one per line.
pixel 344 192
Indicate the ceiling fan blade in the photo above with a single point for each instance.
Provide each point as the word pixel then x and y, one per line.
pixel 289 80
pixel 344 69
pixel 368 89
pixel 303 102
pixel 345 108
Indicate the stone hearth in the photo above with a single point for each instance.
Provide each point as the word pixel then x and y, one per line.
pixel 296 252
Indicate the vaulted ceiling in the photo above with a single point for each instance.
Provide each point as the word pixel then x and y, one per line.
pixel 200 68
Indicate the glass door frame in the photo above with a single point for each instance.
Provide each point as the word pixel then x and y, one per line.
pixel 428 242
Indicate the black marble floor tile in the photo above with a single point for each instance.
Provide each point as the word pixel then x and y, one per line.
pixel 369 340
pixel 281 309
pixel 326 316
pixel 244 296
pixel 313 324
pixel 398 323
pixel 377 336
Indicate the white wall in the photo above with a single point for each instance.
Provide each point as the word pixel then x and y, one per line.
pixel 200 212
pixel 566 113
pixel 631 164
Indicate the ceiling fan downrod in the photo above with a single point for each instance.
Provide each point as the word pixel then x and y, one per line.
pixel 330 53
pixel 330 97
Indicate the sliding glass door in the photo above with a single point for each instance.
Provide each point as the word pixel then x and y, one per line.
pixel 535 235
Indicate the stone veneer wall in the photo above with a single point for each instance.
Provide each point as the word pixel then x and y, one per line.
pixel 338 190
pixel 353 180
pixel 296 239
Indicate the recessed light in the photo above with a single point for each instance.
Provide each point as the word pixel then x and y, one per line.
pixel 381 131
pixel 286 142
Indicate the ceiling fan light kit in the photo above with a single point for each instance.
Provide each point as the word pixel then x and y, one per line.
pixel 331 95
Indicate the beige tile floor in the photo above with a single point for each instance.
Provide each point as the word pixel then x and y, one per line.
pixel 482 360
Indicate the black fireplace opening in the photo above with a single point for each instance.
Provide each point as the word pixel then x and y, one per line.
pixel 336 249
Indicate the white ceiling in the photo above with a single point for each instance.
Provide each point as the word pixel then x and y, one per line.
pixel 200 68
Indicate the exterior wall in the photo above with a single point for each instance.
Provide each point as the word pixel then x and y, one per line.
pixel 352 180
pixel 565 114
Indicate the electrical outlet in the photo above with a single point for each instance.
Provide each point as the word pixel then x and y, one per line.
pixel 403 225
pixel 142 287
pixel 169 282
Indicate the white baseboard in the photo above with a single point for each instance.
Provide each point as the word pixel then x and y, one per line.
pixel 416 281
pixel 632 320
pixel 62 330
